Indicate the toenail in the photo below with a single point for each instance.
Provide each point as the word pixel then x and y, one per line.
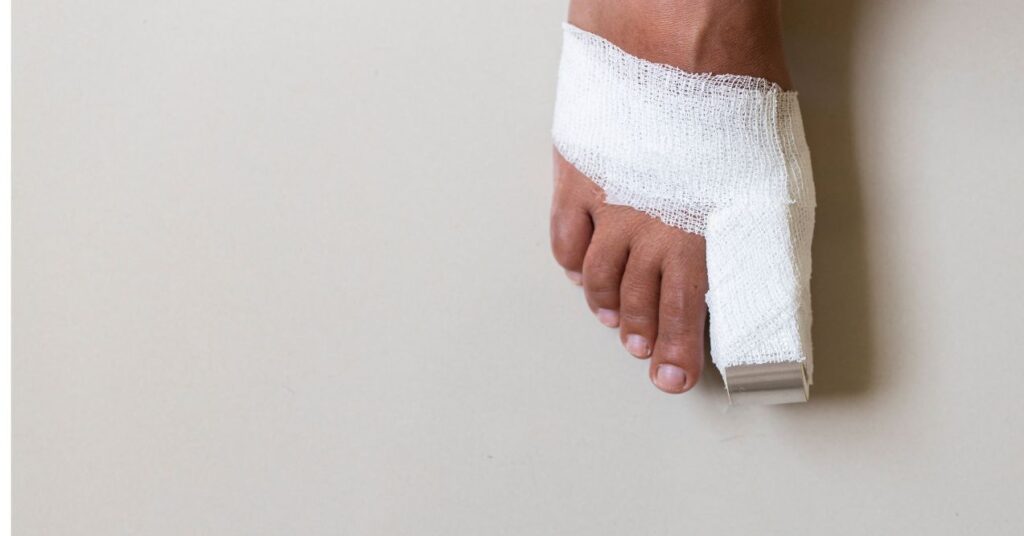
pixel 670 378
pixel 638 346
pixel 575 277
pixel 608 317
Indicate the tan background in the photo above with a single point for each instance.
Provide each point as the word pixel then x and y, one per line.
pixel 282 268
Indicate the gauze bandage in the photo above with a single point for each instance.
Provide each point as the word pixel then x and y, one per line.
pixel 723 156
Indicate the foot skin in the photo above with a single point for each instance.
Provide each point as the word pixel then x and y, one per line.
pixel 639 275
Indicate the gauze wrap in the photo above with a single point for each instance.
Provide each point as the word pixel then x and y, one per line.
pixel 723 156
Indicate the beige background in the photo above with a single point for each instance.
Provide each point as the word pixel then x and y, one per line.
pixel 282 268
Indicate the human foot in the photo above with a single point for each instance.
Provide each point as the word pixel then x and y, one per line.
pixel 640 275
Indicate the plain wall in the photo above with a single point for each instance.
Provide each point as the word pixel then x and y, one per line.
pixel 282 268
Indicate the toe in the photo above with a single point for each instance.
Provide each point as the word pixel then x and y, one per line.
pixel 602 273
pixel 571 224
pixel 570 237
pixel 679 349
pixel 639 303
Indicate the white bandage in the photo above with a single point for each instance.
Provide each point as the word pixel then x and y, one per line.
pixel 719 155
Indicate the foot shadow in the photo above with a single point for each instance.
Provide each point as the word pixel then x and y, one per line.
pixel 819 39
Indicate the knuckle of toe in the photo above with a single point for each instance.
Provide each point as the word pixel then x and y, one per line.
pixel 640 297
pixel 600 277
pixel 682 298
pixel 646 255
pixel 640 293
pixel 637 319
pixel 563 231
pixel 602 296
pixel 564 257
pixel 566 252
pixel 681 335
pixel 635 282
pixel 675 309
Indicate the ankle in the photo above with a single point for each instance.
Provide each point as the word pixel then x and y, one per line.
pixel 704 36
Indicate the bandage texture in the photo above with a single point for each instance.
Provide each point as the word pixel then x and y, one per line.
pixel 723 156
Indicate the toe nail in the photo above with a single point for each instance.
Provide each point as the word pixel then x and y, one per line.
pixel 638 346
pixel 575 277
pixel 608 317
pixel 670 378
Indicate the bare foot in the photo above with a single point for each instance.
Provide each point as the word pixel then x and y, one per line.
pixel 639 275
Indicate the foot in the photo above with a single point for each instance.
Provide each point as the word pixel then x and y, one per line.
pixel 639 275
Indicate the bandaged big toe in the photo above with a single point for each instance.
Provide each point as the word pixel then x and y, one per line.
pixel 722 156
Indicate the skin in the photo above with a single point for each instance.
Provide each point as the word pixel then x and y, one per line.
pixel 639 275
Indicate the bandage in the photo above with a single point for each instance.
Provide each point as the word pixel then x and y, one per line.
pixel 723 156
